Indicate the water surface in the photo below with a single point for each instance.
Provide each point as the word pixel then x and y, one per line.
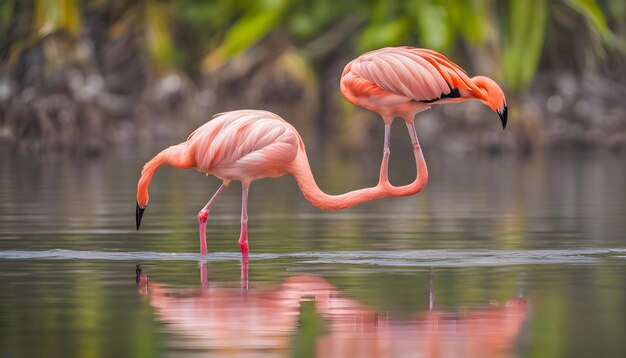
pixel 498 257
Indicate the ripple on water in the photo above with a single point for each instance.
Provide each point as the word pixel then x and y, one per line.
pixel 410 258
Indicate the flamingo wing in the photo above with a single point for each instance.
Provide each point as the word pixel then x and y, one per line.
pixel 418 74
pixel 245 144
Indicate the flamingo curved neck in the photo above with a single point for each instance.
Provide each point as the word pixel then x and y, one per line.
pixel 301 170
pixel 175 156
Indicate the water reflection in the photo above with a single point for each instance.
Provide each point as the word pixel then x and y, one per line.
pixel 246 320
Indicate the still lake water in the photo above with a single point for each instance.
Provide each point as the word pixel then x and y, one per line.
pixel 497 257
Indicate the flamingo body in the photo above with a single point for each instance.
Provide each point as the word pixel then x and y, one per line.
pixel 244 145
pixel 403 81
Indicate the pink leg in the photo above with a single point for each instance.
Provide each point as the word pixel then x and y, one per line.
pixel 243 237
pixel 422 169
pixel 417 150
pixel 384 167
pixel 203 216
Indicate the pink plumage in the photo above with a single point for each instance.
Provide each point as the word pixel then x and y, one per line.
pixel 244 145
pixel 401 81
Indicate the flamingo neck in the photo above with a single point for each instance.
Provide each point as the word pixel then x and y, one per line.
pixel 301 170
pixel 175 156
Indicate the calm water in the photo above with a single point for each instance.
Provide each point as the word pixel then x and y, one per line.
pixel 497 257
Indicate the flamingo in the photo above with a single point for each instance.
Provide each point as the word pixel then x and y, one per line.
pixel 404 81
pixel 246 145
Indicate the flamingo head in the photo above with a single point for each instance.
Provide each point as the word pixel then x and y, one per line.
pixel 492 96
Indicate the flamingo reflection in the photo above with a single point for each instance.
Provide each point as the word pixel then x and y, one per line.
pixel 251 320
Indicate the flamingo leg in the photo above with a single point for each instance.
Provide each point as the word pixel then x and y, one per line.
pixel 384 167
pixel 243 237
pixel 203 216
pixel 417 150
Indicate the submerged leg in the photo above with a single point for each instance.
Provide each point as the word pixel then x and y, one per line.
pixel 243 237
pixel 203 215
pixel 384 167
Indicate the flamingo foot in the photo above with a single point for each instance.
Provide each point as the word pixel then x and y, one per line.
pixel 203 216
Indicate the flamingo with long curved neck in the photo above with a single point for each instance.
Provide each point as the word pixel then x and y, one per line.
pixel 246 145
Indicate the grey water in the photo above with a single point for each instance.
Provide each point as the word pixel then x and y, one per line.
pixel 499 256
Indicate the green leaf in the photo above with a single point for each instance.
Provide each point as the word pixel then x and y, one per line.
pixel 385 34
pixel 435 31
pixel 250 28
pixel 471 19
pixel 159 40
pixel 592 12
pixel 524 41
pixel 57 15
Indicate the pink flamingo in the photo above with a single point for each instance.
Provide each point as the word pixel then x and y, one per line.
pixel 248 144
pixel 403 81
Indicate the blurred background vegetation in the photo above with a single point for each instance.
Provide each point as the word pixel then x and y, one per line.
pixel 81 75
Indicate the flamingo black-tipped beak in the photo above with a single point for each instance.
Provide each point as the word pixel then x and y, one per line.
pixel 138 214
pixel 503 115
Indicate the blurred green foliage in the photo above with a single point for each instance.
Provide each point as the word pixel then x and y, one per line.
pixel 215 32
pixel 524 41
pixel 55 15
